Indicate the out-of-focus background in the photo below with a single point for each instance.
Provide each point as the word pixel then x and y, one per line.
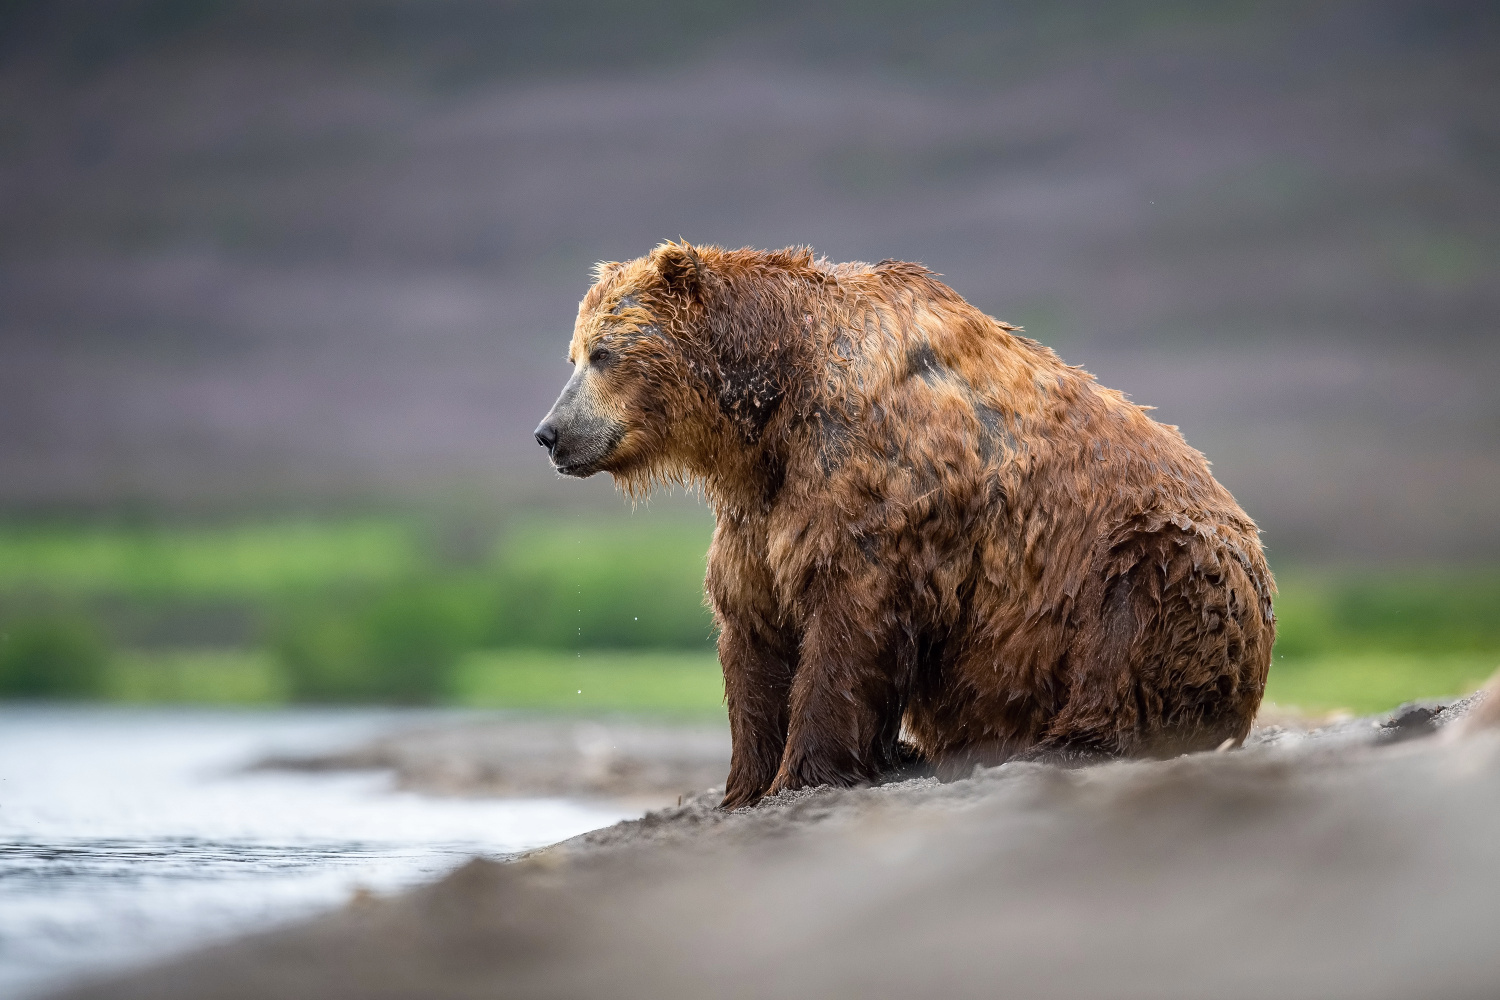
pixel 285 286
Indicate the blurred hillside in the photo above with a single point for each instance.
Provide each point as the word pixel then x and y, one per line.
pixel 272 253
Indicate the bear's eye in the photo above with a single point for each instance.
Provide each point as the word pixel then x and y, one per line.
pixel 598 356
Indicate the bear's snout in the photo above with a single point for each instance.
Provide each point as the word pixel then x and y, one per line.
pixel 578 435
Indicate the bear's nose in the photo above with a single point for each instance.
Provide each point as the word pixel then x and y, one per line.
pixel 546 436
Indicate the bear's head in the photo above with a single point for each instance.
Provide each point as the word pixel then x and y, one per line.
pixel 668 358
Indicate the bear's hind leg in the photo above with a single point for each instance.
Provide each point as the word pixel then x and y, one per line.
pixel 1169 657
pixel 1106 710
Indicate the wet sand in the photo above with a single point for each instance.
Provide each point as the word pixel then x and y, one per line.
pixel 1359 859
pixel 628 760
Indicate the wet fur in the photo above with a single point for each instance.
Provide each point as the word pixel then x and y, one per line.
pixel 927 524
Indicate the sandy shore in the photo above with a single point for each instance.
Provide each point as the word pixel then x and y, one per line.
pixel 652 764
pixel 1360 859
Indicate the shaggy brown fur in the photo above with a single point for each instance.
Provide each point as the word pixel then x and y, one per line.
pixel 928 525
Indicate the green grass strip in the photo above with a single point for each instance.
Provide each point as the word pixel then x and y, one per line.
pixel 246 559
pixel 666 683
pixel 1374 682
pixel 199 677
pixel 690 684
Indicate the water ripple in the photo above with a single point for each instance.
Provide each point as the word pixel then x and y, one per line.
pixel 127 835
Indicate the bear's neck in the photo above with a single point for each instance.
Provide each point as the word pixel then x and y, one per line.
pixel 741 459
pixel 744 481
pixel 764 348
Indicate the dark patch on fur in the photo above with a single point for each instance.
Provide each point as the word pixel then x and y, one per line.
pixel 996 441
pixel 922 362
pixel 832 433
pixel 843 347
pixel 749 397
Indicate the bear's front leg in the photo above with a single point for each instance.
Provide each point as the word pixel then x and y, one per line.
pixel 758 651
pixel 846 705
pixel 758 665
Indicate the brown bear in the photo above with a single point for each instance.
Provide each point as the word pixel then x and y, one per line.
pixel 931 533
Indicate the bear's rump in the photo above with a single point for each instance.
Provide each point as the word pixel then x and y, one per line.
pixel 1165 653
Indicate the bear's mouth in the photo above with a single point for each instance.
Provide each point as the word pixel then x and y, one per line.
pixel 578 470
pixel 598 449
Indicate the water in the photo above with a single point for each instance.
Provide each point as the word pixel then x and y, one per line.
pixel 126 835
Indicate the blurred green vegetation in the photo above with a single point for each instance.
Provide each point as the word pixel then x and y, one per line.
pixel 657 682
pixel 1418 611
pixel 397 645
pixel 52 657
pixel 1367 640
pixel 532 612
pixel 197 676
pixel 1367 682
pixel 246 561
pixel 358 610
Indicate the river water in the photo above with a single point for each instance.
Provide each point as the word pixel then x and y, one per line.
pixel 130 834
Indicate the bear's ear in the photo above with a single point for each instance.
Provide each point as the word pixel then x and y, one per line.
pixel 680 267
